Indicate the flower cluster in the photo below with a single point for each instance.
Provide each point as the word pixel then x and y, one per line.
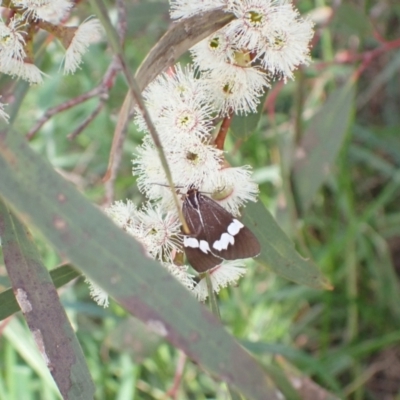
pixel 267 40
pixel 49 10
pixel 157 230
pixel 232 69
pixel 17 35
pixel 183 114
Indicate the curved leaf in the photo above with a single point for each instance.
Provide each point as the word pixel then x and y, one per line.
pixel 321 143
pixel 278 252
pixel 60 276
pixel 43 311
pixel 243 126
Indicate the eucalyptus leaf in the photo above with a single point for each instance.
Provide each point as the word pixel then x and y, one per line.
pixel 40 304
pixel 278 252
pixel 60 276
pixel 303 361
pixel 321 144
pixel 243 126
pixel 132 337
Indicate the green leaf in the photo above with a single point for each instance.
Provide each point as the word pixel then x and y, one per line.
pixel 132 337
pixel 303 361
pixel 243 126
pixel 351 19
pixel 116 262
pixel 278 252
pixel 60 276
pixel 283 383
pixel 321 143
pixel 18 336
pixel 144 16
pixel 43 311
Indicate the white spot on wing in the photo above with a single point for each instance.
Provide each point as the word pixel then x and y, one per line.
pixel 234 227
pixel 204 247
pixel 223 243
pixel 23 301
pixel 191 242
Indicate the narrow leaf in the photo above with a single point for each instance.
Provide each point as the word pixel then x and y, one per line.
pixel 43 311
pixel 243 126
pixel 132 337
pixel 277 250
pixel 321 143
pixel 60 276
pixel 303 361
pixel 283 383
pixel 17 334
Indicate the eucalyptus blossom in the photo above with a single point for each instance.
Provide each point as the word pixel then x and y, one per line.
pixel 232 69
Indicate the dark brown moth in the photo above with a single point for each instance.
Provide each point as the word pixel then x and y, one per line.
pixel 215 234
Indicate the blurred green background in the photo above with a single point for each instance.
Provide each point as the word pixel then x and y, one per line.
pixel 346 340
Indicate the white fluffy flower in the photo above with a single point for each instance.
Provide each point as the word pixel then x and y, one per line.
pixel 22 69
pixel 90 31
pixel 187 8
pixel 13 60
pixel 180 273
pixel 236 89
pixel 272 31
pixel 253 17
pixel 125 215
pixel 214 51
pixel 286 46
pixel 159 231
pixel 48 10
pixel 228 273
pixel 3 114
pixel 191 162
pixel 178 105
pixel 148 168
pixel 231 188
pixel 12 43
pixel 30 73
pixel 177 83
pixel 182 118
pixel 97 294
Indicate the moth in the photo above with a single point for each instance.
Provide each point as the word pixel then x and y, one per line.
pixel 215 234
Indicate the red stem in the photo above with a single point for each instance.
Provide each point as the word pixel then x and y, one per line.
pixel 223 131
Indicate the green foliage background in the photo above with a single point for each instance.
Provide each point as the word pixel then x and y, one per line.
pixel 347 339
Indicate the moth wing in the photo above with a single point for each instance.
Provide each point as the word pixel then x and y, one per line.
pixel 242 244
pixel 246 245
pixel 201 261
